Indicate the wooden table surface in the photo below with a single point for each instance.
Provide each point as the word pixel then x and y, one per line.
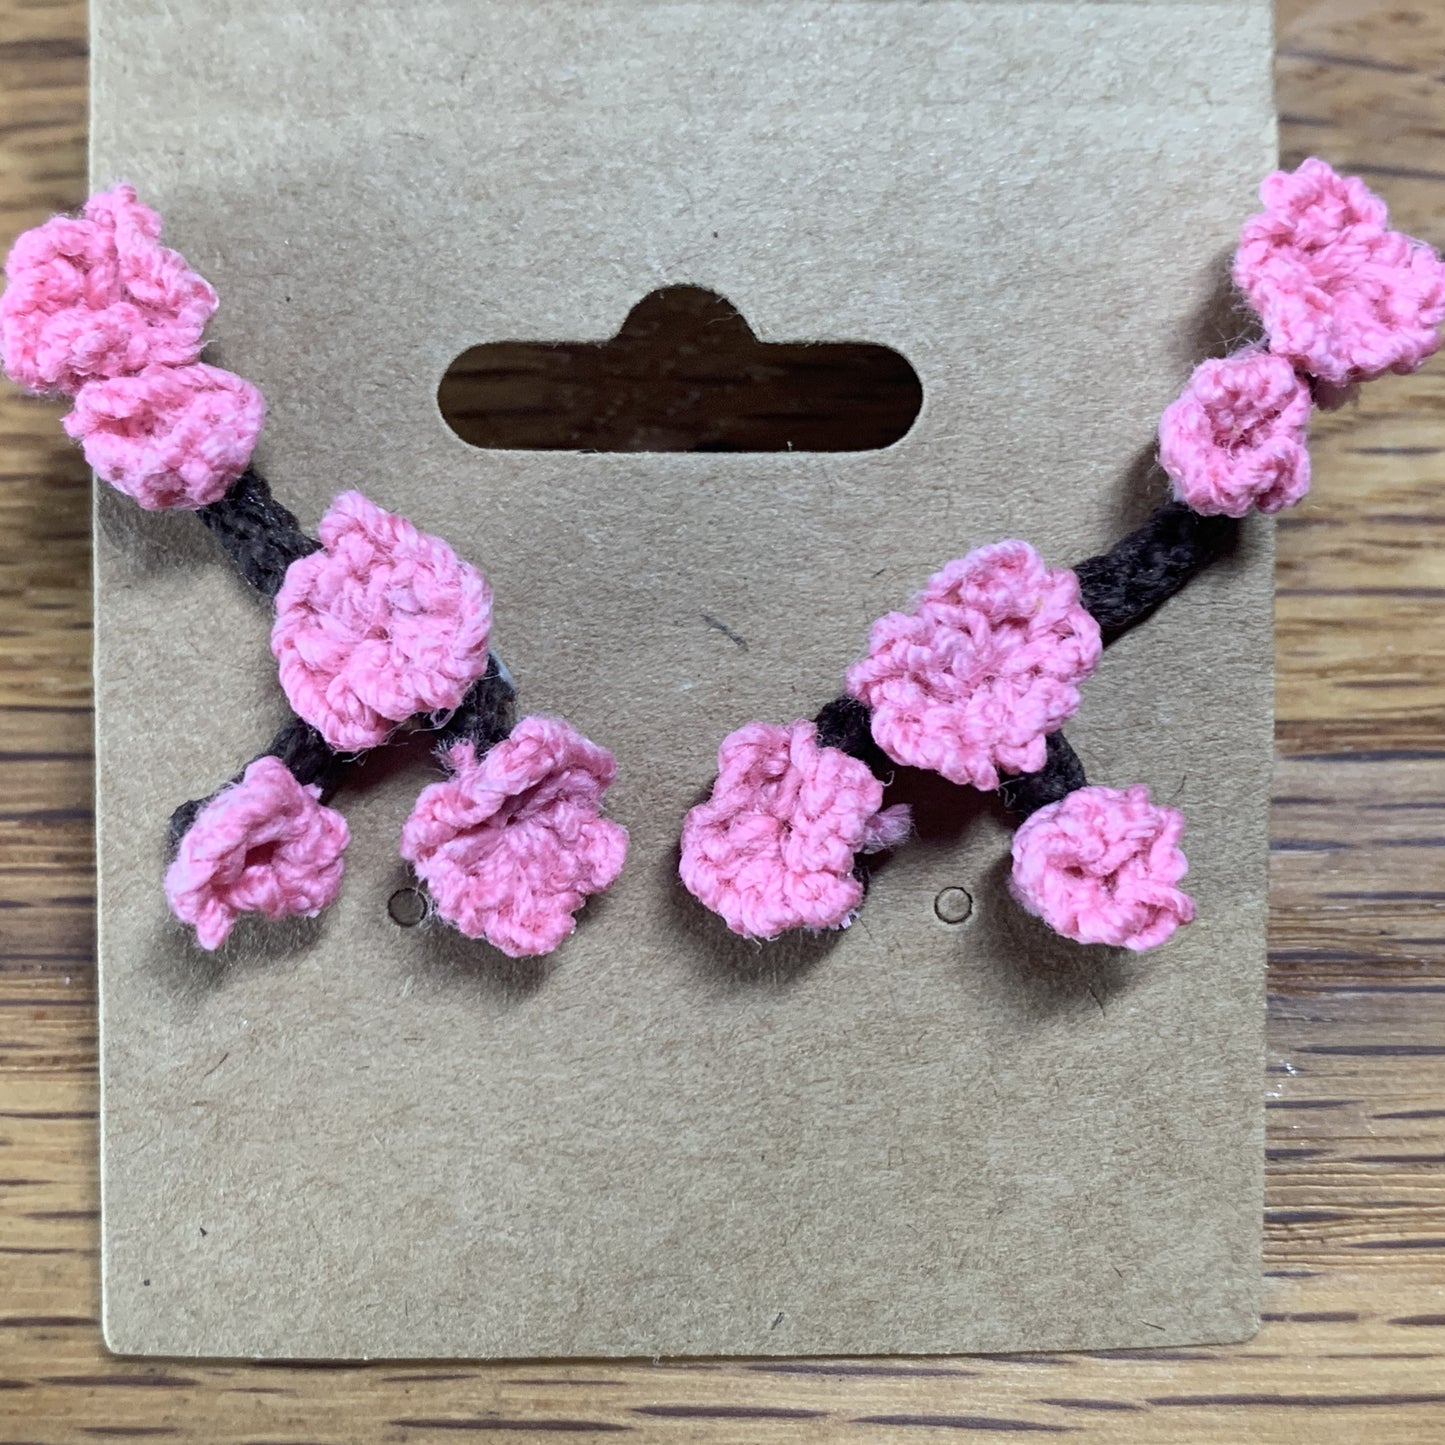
pixel 1353 1345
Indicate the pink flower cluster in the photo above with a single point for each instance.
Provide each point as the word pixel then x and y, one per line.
pixel 263 845
pixel 775 845
pixel 1236 438
pixel 97 296
pixel 382 623
pixel 1101 866
pixel 986 664
pixel 513 843
pixel 95 307
pixel 1343 299
pixel 1342 296
pixel 169 436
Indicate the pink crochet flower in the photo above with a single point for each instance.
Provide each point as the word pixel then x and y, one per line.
pixel 98 296
pixel 169 436
pixel 774 847
pixel 1100 867
pixel 1341 295
pixel 512 844
pixel 385 622
pixel 984 667
pixel 1236 438
pixel 263 845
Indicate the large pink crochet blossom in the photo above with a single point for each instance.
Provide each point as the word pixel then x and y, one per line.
pixel 169 436
pixel 263 845
pixel 512 844
pixel 1236 438
pixel 775 845
pixel 384 622
pixel 983 668
pixel 1341 295
pixel 98 296
pixel 1101 866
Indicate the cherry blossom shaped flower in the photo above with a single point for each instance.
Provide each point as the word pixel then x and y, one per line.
pixel 985 666
pixel 1101 866
pixel 96 295
pixel 1235 439
pixel 169 436
pixel 513 843
pixel 263 845
pixel 775 845
pixel 1341 295
pixel 383 623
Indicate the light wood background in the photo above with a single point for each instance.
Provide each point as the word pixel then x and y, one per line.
pixel 1353 1345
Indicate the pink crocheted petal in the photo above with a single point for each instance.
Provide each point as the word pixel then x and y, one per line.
pixel 982 668
pixel 169 436
pixel 383 623
pixel 511 845
pixel 774 847
pixel 887 829
pixel 1236 438
pixel 1101 866
pixel 263 845
pixel 1341 295
pixel 97 296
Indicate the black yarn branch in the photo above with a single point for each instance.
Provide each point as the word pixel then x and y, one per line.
pixel 256 532
pixel 306 755
pixel 486 714
pixel 1061 774
pixel 484 718
pixel 1122 586
pixel 845 724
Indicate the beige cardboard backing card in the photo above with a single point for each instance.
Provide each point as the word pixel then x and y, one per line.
pixel 346 1138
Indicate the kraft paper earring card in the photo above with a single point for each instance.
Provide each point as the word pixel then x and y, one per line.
pixel 941 1128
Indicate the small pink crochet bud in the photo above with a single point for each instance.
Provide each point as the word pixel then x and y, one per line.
pixel 987 664
pixel 264 845
pixel 774 847
pixel 1101 866
pixel 384 622
pixel 98 296
pixel 1341 295
pixel 513 843
pixel 169 436
pixel 1236 438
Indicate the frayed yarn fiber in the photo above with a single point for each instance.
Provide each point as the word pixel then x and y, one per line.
pixel 1236 438
pixel 774 847
pixel 1342 296
pixel 1101 865
pixel 985 666
pixel 98 296
pixel 263 845
pixel 513 843
pixel 169 436
pixel 382 623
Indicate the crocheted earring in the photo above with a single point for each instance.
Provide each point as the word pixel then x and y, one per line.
pixel 379 627
pixel 976 678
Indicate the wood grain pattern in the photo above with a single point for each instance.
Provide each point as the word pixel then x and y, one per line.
pixel 1353 1346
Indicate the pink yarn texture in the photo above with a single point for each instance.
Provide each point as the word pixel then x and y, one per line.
pixel 382 623
pixel 1341 295
pixel 98 296
pixel 1236 438
pixel 774 847
pixel 513 843
pixel 1101 866
pixel 983 668
pixel 263 845
pixel 169 436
